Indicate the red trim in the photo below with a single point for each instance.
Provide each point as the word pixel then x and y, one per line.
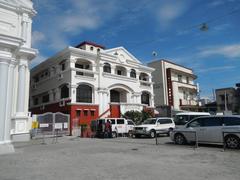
pixel 169 86
pixel 104 113
pixel 115 111
pixel 92 113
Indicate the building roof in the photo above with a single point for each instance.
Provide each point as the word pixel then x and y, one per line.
pixel 90 43
pixel 227 88
pixel 170 62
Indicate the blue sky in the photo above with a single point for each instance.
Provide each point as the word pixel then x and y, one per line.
pixel 168 27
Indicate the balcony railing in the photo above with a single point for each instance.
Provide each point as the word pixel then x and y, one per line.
pixel 145 83
pixel 184 102
pixel 84 72
pixel 124 107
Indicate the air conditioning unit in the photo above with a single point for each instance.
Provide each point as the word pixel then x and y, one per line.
pixel 60 76
pixel 62 103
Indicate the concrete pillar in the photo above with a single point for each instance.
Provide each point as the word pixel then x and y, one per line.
pixel 73 93
pixel 3 98
pixel 21 89
pixel 7 135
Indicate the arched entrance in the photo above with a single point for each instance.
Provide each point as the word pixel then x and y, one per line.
pixel 118 95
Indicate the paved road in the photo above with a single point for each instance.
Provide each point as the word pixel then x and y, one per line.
pixel 121 158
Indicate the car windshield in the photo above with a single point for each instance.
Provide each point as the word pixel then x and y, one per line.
pixel 150 121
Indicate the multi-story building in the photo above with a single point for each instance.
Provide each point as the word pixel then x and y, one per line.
pixel 228 99
pixel 89 82
pixel 174 86
pixel 15 55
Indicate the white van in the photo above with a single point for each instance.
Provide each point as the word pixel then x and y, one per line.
pixel 120 126
pixel 182 118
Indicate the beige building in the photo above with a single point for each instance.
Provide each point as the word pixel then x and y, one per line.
pixel 228 99
pixel 174 86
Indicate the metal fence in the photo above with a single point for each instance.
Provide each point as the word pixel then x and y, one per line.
pixel 53 124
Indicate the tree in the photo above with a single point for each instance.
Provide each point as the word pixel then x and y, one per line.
pixel 136 116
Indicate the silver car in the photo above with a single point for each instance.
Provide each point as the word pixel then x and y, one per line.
pixel 210 129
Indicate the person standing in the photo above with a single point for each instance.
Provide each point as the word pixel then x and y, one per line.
pixel 108 129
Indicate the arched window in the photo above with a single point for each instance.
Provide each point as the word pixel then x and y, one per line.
pixel 143 77
pixel 64 91
pixel 107 68
pixel 145 98
pixel 120 70
pixel 133 73
pixel 84 93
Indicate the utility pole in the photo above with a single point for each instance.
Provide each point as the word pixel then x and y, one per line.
pixel 225 100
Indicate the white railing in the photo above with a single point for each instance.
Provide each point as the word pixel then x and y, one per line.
pixel 124 107
pixel 145 83
pixel 84 72
pixel 188 102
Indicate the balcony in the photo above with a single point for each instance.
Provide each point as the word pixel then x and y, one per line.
pixel 84 73
pixel 145 83
pixel 184 102
pixel 124 107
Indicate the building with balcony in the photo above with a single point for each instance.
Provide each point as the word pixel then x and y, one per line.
pixel 89 82
pixel 228 99
pixel 15 55
pixel 174 86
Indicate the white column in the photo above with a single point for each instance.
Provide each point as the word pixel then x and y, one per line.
pixel 73 93
pixel 100 102
pixel 21 89
pixel 9 104
pixel 3 98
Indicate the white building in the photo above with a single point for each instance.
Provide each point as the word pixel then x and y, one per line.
pixel 15 55
pixel 174 86
pixel 89 81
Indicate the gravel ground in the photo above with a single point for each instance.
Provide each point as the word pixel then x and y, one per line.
pixel 121 158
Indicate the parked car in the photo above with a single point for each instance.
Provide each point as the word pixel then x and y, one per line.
pixel 182 118
pixel 210 129
pixel 120 126
pixel 153 126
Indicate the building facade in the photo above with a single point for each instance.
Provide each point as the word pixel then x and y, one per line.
pixel 90 82
pixel 174 86
pixel 15 55
pixel 228 99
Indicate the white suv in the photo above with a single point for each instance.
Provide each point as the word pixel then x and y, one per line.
pixel 153 126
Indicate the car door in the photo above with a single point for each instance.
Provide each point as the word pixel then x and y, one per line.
pixel 193 127
pixel 120 125
pixel 165 123
pixel 113 124
pixel 212 129
pixel 130 125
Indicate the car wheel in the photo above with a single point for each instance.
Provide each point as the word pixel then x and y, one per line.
pixel 232 142
pixel 152 134
pixel 179 139
pixel 114 134
pixel 130 134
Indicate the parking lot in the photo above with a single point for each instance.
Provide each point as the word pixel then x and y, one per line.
pixel 121 158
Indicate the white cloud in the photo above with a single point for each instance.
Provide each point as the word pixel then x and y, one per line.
pixel 60 22
pixel 37 37
pixel 228 51
pixel 216 3
pixel 218 68
pixel 40 58
pixel 170 11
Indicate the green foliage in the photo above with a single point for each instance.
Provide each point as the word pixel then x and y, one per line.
pixel 136 116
